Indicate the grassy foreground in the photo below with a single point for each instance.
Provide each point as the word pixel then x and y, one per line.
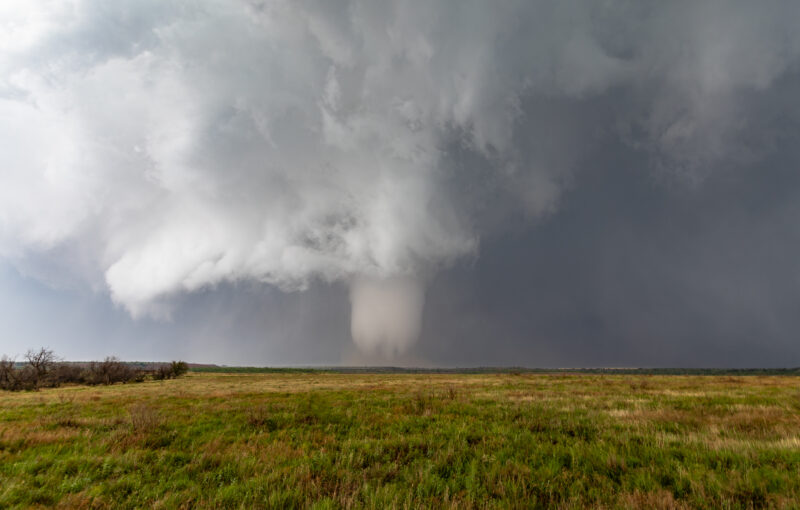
pixel 328 440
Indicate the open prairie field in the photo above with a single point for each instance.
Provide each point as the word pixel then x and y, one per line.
pixel 333 440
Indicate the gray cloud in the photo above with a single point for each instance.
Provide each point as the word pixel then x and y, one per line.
pixel 155 150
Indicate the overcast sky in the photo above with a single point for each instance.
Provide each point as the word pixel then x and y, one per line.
pixel 442 183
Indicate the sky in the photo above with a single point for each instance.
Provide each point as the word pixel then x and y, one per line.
pixel 451 183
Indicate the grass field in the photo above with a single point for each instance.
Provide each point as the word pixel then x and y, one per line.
pixel 332 440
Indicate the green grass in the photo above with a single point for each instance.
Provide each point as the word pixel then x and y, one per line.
pixel 333 440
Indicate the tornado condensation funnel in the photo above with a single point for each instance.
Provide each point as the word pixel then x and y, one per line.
pixel 386 313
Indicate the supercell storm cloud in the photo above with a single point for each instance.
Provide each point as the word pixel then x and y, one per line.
pixel 153 150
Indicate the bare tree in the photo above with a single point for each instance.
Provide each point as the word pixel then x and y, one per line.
pixel 40 364
pixel 8 379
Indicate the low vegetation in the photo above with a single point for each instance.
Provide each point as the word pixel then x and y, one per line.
pixel 332 440
pixel 43 369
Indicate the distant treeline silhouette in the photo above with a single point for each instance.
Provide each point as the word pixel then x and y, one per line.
pixel 43 369
pixel 500 370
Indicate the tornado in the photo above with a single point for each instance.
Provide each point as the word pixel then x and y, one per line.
pixel 386 313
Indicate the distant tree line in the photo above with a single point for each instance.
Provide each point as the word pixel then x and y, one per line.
pixel 43 369
pixel 504 370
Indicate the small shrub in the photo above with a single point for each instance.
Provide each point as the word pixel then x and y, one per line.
pixel 64 373
pixel 110 371
pixel 8 379
pixel 25 379
pixel 171 370
pixel 179 368
pixel 162 373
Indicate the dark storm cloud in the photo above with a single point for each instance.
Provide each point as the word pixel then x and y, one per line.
pixel 632 271
pixel 572 182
